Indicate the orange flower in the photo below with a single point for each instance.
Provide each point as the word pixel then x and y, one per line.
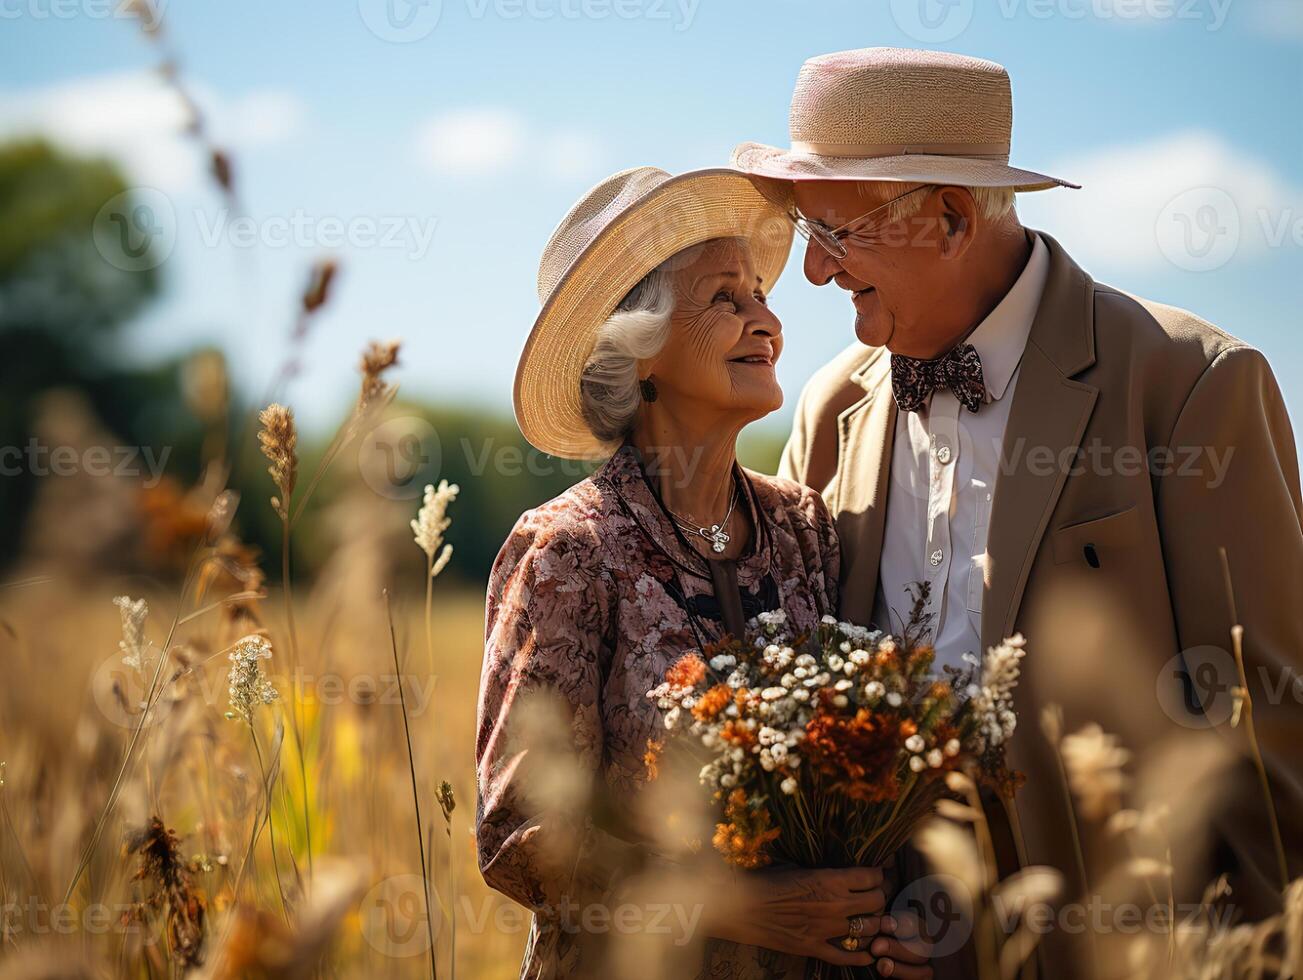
pixel 652 758
pixel 738 735
pixel 712 702
pixel 860 754
pixel 743 839
pixel 688 671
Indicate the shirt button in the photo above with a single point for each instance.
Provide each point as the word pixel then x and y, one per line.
pixel 936 556
pixel 943 455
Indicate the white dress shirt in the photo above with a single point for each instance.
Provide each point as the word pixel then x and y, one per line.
pixel 944 465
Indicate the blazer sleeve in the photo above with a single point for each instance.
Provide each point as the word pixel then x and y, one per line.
pixel 795 459
pixel 1244 497
pixel 539 730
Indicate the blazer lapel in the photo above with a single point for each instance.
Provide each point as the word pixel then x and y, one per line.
pixel 1050 411
pixel 865 432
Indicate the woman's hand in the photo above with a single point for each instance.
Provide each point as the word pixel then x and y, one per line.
pixel 810 912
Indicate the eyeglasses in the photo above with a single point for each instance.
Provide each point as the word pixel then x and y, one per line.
pixel 833 239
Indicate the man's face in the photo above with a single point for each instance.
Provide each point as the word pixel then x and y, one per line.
pixel 896 271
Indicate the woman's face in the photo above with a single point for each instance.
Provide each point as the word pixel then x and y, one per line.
pixel 724 341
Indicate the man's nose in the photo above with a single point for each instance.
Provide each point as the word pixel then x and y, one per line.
pixel 820 267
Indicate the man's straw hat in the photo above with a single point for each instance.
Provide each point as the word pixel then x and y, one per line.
pixel 898 114
pixel 619 231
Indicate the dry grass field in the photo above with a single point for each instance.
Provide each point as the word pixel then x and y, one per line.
pixel 69 706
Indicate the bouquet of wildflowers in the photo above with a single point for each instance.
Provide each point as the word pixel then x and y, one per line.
pixel 829 750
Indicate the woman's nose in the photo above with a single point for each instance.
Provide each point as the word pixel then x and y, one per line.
pixel 765 321
pixel 820 267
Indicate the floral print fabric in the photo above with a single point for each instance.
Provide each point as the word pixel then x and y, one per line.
pixel 586 610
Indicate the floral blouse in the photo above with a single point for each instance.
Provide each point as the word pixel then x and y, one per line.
pixel 590 600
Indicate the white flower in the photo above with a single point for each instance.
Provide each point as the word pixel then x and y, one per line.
pixel 915 743
pixel 249 686
pixel 800 694
pixel 431 521
pixel 773 693
pixel 722 661
pixel 835 663
pixel 788 786
pixel 728 780
pixel 672 717
pixel 952 747
pixel 916 763
pixel 894 699
pixel 829 620
pixel 779 752
pixel 843 685
pixel 934 758
pixel 874 689
pixel 859 657
pixel 133 643
pixel 841 701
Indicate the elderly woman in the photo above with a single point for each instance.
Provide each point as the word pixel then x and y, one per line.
pixel 654 348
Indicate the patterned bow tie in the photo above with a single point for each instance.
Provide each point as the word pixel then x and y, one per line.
pixel 914 380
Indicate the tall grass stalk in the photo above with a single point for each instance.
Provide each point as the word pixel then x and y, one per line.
pixel 416 796
pixel 1245 700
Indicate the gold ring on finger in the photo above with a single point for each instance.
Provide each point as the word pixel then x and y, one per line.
pixel 856 926
pixel 850 944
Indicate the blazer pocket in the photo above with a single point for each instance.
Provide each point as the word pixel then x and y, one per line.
pixel 1094 541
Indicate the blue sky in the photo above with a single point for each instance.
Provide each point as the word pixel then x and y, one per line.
pixel 464 137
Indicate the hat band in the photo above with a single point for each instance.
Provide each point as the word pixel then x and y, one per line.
pixel 980 151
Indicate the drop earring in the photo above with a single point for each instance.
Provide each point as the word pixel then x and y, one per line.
pixel 648 389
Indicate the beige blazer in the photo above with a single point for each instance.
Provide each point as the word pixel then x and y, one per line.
pixel 1140 441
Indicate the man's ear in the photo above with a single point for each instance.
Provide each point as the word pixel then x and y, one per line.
pixel 959 218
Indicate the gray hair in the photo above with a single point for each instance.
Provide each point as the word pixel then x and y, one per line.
pixel 637 330
pixel 992 202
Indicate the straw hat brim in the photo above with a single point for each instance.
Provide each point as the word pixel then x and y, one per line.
pixel 685 210
pixel 780 164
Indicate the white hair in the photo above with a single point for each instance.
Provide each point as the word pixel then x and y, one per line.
pixel 636 331
pixel 992 202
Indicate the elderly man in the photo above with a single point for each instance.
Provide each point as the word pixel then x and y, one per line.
pixel 1051 456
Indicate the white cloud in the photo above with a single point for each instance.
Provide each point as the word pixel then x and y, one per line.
pixel 137 120
pixel 1169 200
pixel 488 140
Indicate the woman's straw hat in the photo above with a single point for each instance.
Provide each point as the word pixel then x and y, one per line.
pixel 619 231
pixel 898 114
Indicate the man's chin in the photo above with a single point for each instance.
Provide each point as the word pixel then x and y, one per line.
pixel 871 331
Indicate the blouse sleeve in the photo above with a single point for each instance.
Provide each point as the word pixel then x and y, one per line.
pixel 539 734
pixel 827 545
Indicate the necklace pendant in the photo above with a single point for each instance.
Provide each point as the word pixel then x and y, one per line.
pixel 717 537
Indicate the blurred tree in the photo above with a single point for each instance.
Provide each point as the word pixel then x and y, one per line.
pixel 60 301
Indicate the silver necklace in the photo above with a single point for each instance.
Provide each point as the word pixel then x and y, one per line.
pixel 715 534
